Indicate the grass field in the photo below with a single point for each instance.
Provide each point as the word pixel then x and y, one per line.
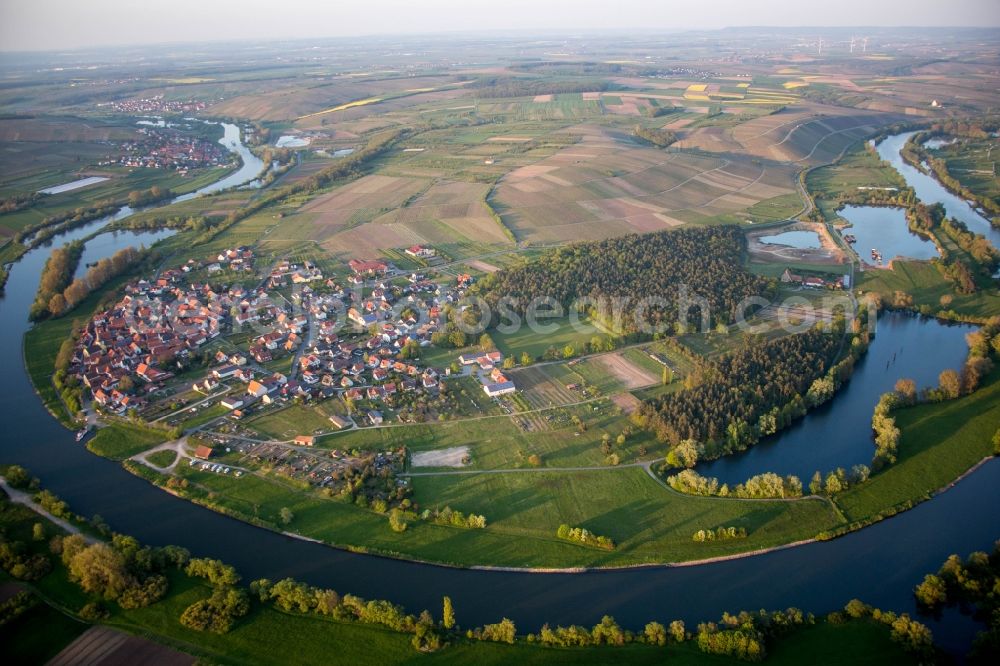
pixel 162 458
pixel 293 420
pixel 41 345
pixel 651 523
pixel 927 286
pixel 858 168
pixel 564 332
pixel 120 440
pixel 648 522
pixel 940 442
pixel 498 443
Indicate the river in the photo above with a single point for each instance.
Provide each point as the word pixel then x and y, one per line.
pixel 249 170
pixel 839 433
pixel 885 228
pixel 930 191
pixel 879 564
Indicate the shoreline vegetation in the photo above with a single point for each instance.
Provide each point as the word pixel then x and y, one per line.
pixel 80 569
pixel 916 155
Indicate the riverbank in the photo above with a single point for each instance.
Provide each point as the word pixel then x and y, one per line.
pixel 915 154
pixel 941 444
pixel 265 634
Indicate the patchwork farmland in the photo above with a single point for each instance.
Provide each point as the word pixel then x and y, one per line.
pixel 606 185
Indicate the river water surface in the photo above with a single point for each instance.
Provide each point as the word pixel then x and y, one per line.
pixel 930 191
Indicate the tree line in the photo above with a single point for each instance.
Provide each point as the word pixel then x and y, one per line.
pixel 96 277
pixel 495 87
pixel 41 231
pixel 56 276
pixel 762 486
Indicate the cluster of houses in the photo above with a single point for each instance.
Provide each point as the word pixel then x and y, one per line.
pixel 494 382
pixel 164 149
pixel 156 322
pixel 165 319
pixel 374 366
pixel 286 272
pixel 815 282
pixel 156 105
pixel 232 259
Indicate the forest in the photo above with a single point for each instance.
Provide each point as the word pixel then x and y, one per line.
pixel 750 392
pixel 658 137
pixel 703 264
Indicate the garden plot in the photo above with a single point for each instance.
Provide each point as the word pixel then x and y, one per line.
pixel 541 389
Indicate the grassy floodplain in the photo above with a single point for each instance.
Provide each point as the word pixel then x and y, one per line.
pixel 267 635
pixel 940 443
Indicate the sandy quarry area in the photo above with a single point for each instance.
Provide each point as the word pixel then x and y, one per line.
pixel 829 253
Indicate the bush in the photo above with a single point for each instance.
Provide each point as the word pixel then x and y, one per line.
pixel 219 612
pixel 94 612
pixel 215 572
pixel 502 632
pixel 144 594
pixel 584 536
pixel 16 606
pixel 19 478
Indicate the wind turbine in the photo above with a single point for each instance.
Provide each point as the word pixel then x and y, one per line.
pixel 852 45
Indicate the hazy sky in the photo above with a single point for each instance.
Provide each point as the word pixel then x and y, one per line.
pixel 59 24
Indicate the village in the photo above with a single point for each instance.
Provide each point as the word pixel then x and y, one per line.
pixel 168 149
pixel 218 363
pixel 155 105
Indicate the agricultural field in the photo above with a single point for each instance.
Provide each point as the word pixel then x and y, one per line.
pixel 604 185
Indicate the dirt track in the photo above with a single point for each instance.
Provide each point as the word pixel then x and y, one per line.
pixel 632 376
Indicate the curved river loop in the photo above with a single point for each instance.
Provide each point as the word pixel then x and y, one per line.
pixel 879 564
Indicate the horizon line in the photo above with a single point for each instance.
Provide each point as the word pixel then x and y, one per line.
pixel 510 32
